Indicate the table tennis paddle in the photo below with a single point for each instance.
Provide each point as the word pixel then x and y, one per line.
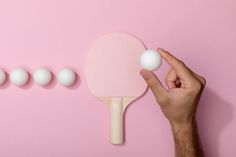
pixel 112 74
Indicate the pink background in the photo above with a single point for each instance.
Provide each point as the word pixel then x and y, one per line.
pixel 61 122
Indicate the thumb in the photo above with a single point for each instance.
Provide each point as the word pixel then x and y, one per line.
pixel 154 83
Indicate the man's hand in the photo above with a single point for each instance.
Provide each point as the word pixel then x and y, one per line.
pixel 179 102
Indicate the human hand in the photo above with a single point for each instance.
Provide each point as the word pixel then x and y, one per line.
pixel 178 102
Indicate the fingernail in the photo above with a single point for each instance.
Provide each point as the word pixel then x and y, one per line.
pixel 160 49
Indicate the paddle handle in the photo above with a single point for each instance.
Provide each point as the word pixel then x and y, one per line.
pixel 116 126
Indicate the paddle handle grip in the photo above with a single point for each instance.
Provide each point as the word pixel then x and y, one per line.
pixel 116 126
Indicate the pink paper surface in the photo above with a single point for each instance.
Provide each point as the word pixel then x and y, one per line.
pixel 61 122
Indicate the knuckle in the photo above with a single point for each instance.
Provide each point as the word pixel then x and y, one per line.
pixel 181 63
pixel 198 85
pixel 203 80
pixel 151 82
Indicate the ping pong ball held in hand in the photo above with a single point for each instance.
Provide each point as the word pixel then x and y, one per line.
pixel 150 60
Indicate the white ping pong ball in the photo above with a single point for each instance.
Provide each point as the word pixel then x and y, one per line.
pixel 150 60
pixel 19 77
pixel 42 76
pixel 67 77
pixel 3 76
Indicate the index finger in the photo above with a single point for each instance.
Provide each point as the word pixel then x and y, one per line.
pixel 181 69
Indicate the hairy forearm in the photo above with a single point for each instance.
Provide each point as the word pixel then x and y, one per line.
pixel 187 142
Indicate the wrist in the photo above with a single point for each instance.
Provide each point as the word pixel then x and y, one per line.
pixel 184 125
pixel 187 142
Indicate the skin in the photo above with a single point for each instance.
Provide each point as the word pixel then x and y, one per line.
pixel 179 103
